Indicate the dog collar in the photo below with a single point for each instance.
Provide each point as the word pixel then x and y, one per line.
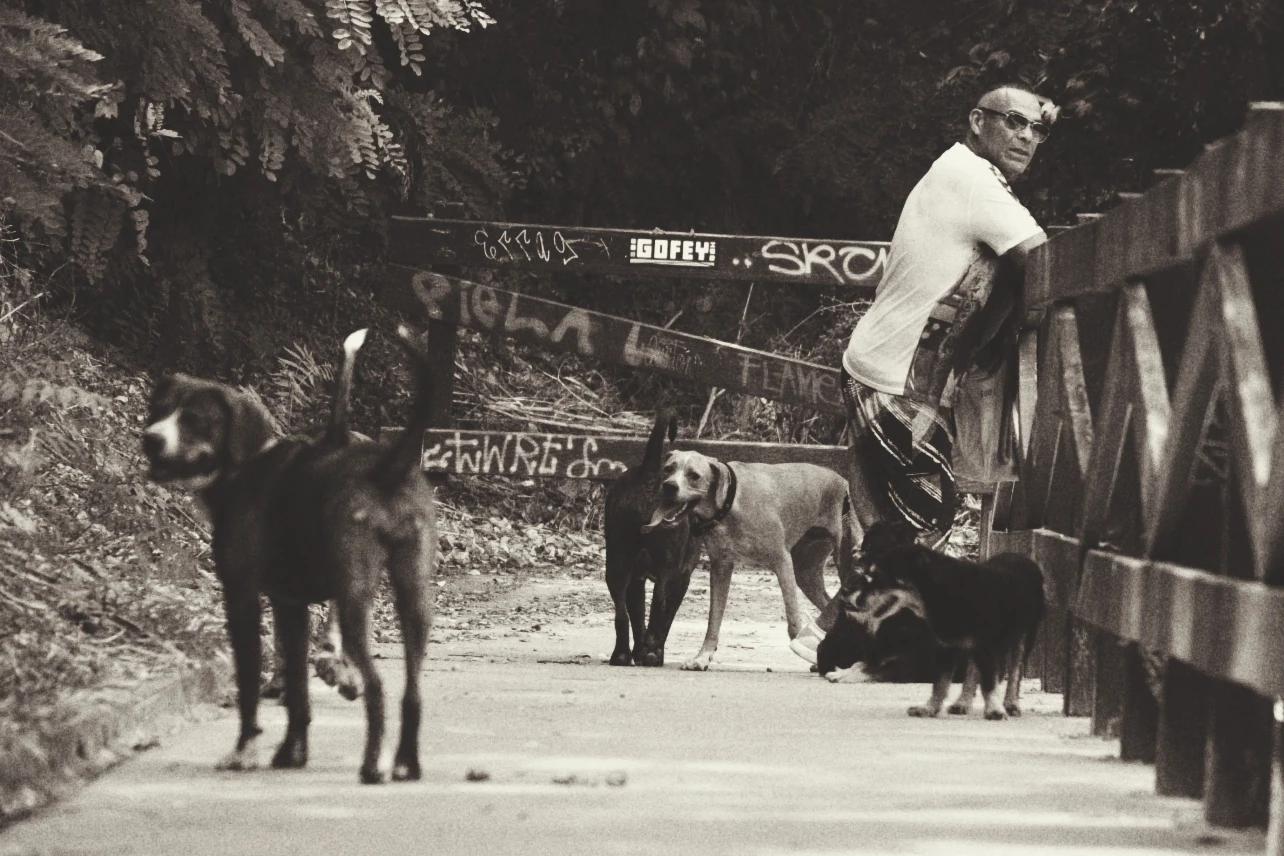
pixel 701 525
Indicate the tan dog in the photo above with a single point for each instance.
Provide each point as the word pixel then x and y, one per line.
pixel 785 517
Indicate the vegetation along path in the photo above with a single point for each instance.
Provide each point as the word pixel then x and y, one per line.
pixel 534 745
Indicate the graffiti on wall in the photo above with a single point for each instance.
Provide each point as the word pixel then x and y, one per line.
pixel 529 243
pixel 521 454
pixel 846 264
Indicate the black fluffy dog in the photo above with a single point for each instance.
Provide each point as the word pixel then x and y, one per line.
pixel 991 612
pixel 666 556
pixel 903 651
pixel 305 522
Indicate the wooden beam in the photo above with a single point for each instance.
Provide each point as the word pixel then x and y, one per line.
pixel 606 338
pixel 1227 628
pixel 524 455
pixel 419 241
pixel 1230 186
pixel 1250 402
pixel 1136 399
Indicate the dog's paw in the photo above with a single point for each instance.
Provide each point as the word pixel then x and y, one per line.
pixel 923 711
pixel 843 676
pixel 406 770
pixel 624 659
pixel 959 709
pixel 240 760
pixel 650 659
pixel 371 775
pixel 340 674
pixel 292 754
pixel 995 715
pixel 327 669
pixel 349 687
pixel 1012 709
pixel 697 664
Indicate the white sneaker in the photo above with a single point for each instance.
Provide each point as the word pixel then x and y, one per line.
pixel 807 641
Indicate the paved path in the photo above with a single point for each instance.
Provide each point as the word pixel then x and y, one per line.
pixel 756 757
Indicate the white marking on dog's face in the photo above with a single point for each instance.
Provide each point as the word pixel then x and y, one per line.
pixel 880 599
pixel 189 426
pixel 167 432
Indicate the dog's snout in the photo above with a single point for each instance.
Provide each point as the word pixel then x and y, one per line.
pixel 669 489
pixel 153 444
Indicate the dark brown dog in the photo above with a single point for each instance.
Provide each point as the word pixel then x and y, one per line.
pixel 667 557
pixel 304 523
pixel 988 612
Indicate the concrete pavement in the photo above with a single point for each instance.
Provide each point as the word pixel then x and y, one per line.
pixel 533 745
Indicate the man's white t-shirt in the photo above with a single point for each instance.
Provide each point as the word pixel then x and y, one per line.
pixel 962 202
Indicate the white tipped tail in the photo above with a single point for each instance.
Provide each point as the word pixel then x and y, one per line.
pixel 353 343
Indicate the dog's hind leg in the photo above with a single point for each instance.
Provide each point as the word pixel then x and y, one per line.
pixel 243 622
pixel 946 659
pixel 1012 698
pixel 292 630
pixel 354 622
pixel 784 571
pixel 635 605
pixel 987 662
pixel 410 573
pixel 963 704
pixel 808 557
pixel 333 666
pixel 719 586
pixel 618 573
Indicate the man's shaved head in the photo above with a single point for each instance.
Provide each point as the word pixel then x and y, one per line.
pixel 991 132
pixel 1007 98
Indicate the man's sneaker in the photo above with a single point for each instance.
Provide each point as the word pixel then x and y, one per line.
pixel 807 641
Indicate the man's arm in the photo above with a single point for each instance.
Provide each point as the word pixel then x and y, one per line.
pixel 1004 313
pixel 1017 261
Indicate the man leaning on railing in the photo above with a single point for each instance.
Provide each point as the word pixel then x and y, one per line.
pixel 927 376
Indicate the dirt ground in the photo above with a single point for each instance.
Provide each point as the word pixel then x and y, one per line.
pixel 532 744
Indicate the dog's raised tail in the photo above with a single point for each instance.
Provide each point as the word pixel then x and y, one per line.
pixel 404 455
pixel 337 432
pixel 666 420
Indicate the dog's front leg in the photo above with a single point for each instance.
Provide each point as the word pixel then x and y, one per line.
pixel 719 586
pixel 963 704
pixel 292 624
pixel 946 659
pixel 665 601
pixel 243 621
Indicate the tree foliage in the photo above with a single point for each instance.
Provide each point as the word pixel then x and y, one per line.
pixel 174 118
pixel 251 150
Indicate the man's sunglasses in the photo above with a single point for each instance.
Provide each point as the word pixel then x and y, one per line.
pixel 1016 122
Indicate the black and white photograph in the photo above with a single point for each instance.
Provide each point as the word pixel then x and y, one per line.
pixel 553 427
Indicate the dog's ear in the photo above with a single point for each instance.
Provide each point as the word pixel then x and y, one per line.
pixel 902 532
pixel 163 393
pixel 249 427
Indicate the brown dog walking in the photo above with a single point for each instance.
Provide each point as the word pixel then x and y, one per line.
pixel 305 523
